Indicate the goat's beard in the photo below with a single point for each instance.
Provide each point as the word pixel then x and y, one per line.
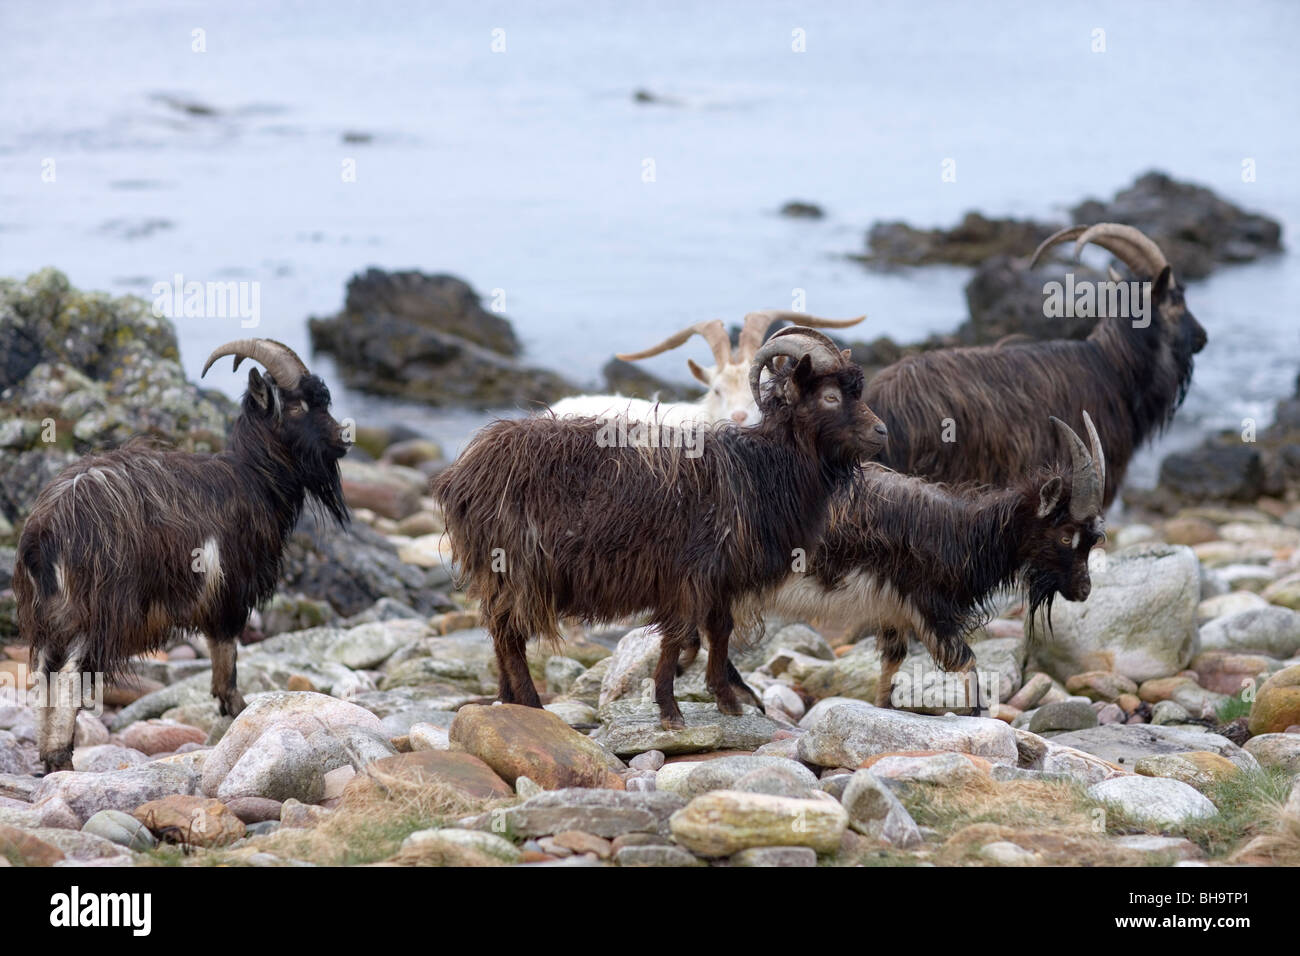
pixel 325 486
pixel 1040 593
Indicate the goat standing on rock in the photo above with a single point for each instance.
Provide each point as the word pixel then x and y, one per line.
pixel 125 548
pixel 545 522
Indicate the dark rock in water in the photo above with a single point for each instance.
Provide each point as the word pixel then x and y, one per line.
pixel 1006 299
pixel 625 378
pixel 1195 228
pixel 353 136
pixel 440 302
pixel 1226 467
pixel 974 240
pixel 427 338
pixel 1220 471
pixel 353 569
pixel 796 209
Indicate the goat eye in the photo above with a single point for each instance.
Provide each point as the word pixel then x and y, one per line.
pixel 830 398
pixel 1065 540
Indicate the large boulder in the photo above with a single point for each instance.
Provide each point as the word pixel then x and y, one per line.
pixel 520 741
pixel 428 338
pixel 1271 630
pixel 844 733
pixel 294 716
pixel 1139 621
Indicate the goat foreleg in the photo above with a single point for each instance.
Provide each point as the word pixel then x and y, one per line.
pixel 224 671
pixel 57 719
pixel 893 650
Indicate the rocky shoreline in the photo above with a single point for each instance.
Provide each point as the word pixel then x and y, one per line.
pixel 1156 724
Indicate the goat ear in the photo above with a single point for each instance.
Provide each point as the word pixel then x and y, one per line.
pixel 698 372
pixel 259 389
pixel 1049 496
pixel 846 354
pixel 797 384
pixel 1160 287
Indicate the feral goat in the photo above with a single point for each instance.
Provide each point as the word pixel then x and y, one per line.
pixel 961 415
pixel 728 398
pixel 903 554
pixel 125 548
pixel 545 522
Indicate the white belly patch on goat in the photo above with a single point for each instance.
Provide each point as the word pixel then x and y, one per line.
pixel 209 564
pixel 861 600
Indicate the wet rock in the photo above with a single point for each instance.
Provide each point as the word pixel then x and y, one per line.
pixel 1195 229
pixel 725 822
pixel 515 740
pixel 1222 469
pixel 427 338
pixel 798 209
pixel 971 242
pixel 1155 801
pixel 1139 620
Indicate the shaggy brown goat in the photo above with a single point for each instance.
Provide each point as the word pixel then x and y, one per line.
pixel 547 517
pixel 125 548
pixel 964 414
pixel 903 554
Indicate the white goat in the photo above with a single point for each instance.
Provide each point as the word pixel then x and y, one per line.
pixel 728 398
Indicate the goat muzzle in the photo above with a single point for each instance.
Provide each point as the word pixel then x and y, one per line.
pixel 276 357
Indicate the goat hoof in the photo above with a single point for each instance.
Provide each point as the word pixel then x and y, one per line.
pixel 57 761
pixel 672 723
pixel 728 704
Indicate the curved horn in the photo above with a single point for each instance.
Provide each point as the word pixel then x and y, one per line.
pixel 1098 453
pixel 1061 235
pixel 757 324
pixel 276 357
pixel 1133 248
pixel 1086 486
pixel 818 347
pixel 711 331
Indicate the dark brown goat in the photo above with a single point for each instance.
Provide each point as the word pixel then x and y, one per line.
pixel 546 522
pixel 959 415
pixel 904 554
pixel 124 549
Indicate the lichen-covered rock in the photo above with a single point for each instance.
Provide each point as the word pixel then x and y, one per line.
pixel 1277 703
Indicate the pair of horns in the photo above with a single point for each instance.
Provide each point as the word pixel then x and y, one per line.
pixel 751 334
pixel 1088 485
pixel 276 357
pixel 794 342
pixel 1127 244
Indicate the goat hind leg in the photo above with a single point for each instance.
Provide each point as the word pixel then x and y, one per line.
pixel 719 674
pixel 514 681
pixel 670 645
pixel 225 672
pixel 893 649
